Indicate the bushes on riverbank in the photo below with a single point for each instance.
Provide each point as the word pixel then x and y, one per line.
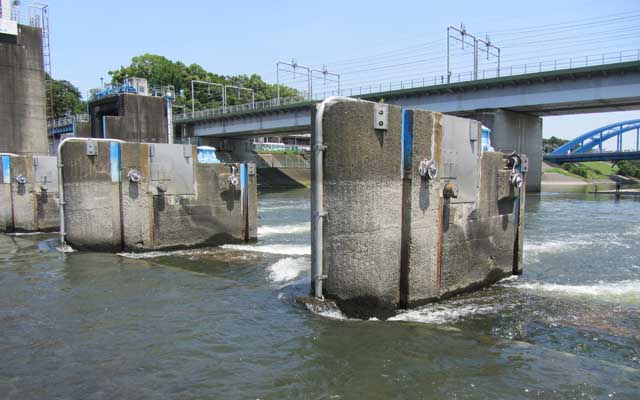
pixel 577 169
pixel 630 169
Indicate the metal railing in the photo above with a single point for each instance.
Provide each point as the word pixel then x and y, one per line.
pixel 266 147
pixel 115 90
pixel 258 105
pixel 513 70
pixel 283 161
pixel 65 121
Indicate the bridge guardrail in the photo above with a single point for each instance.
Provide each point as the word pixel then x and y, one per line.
pixel 258 105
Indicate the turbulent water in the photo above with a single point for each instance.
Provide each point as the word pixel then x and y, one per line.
pixel 221 323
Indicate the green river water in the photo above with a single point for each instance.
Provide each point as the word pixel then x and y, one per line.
pixel 221 323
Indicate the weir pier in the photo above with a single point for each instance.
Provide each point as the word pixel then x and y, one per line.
pixel 407 208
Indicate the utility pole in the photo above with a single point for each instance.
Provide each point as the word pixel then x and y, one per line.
pixel 240 88
pixel 461 35
pixel 209 84
pixel 294 67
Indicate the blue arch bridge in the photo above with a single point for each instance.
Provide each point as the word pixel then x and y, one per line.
pixel 589 146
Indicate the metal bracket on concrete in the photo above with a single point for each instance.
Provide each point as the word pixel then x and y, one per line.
pixel 92 148
pixel 380 116
pixel 321 147
pixel 322 214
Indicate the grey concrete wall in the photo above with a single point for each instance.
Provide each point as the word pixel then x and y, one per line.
pixel 193 208
pixel 363 197
pixel 32 206
pixel 517 131
pixel 83 129
pixel 423 211
pixel 392 239
pixel 130 117
pixel 23 125
pixel 92 203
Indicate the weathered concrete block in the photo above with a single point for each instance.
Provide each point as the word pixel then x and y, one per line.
pixel 23 119
pixel 129 117
pixel 154 196
pixel 29 194
pixel 363 195
pixel 395 237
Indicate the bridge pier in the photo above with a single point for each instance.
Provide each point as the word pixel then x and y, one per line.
pixel 520 132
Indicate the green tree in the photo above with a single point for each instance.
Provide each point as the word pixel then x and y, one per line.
pixel 552 143
pixel 159 70
pixel 67 99
pixel 629 169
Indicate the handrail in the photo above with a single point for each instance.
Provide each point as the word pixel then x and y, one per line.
pixel 64 121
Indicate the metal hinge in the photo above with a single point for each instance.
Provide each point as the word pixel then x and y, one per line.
pixel 320 147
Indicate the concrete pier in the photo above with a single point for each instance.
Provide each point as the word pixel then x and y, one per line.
pixel 141 196
pixel 23 125
pixel 520 132
pixel 129 117
pixel 394 237
pixel 28 194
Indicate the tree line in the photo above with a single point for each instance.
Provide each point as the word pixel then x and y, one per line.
pixel 160 71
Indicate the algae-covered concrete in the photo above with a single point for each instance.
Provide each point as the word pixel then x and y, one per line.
pixel 139 196
pixel 395 238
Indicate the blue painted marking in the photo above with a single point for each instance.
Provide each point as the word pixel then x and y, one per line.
pixel 244 184
pixel 6 169
pixel 114 154
pixel 407 142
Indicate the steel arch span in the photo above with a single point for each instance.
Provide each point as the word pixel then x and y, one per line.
pixel 586 142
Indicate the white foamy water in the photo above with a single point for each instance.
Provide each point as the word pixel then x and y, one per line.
pixel 288 269
pixel 444 313
pixel 286 249
pixel 553 245
pixel 156 254
pixel 283 229
pixel 616 291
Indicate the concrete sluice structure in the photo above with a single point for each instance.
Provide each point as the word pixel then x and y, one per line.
pixel 139 196
pixel 411 213
pixel 28 193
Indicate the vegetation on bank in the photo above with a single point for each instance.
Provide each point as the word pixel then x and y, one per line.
pixel 598 169
pixel 549 145
pixel 630 169
pixel 67 99
pixel 160 71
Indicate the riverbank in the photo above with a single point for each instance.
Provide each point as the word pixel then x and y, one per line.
pixel 603 175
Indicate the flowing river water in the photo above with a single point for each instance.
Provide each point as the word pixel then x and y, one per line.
pixel 222 323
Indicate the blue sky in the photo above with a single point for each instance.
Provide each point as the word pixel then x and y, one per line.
pixel 243 37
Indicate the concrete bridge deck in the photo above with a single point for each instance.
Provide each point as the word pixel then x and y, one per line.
pixel 610 87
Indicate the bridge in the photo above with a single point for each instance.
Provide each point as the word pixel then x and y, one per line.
pixel 509 105
pixel 608 87
pixel 589 146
